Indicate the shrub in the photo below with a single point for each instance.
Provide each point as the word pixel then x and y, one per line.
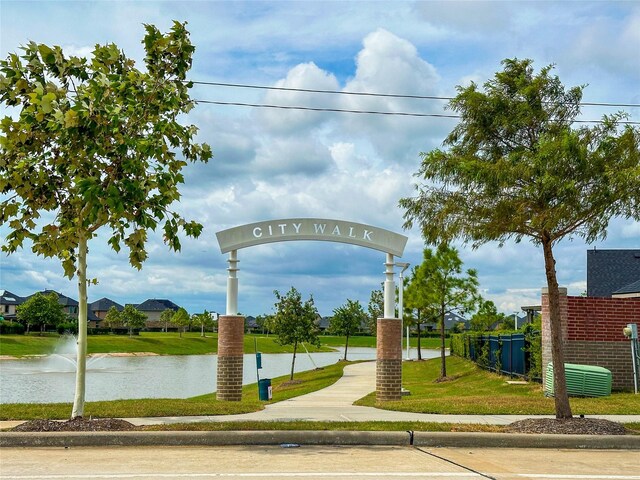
pixel 67 327
pixel 9 327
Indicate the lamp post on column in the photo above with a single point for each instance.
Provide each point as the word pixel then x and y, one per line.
pixel 404 267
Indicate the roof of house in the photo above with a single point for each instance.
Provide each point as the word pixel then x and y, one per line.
pixel 611 270
pixel 450 320
pixel 62 299
pixel 104 304
pixel 8 298
pixel 157 305
pixel 631 288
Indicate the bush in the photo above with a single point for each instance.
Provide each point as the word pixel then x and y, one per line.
pixel 67 327
pixel 14 328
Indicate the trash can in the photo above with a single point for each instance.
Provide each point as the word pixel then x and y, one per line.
pixel 264 389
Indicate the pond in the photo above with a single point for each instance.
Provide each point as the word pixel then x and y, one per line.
pixel 52 378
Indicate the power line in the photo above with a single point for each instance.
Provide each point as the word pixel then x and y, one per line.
pixel 366 112
pixel 374 94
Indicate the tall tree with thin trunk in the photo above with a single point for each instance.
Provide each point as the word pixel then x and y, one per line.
pixel 295 321
pixel 347 320
pixel 516 167
pixel 95 143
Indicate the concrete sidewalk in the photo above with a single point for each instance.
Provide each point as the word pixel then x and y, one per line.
pixel 335 403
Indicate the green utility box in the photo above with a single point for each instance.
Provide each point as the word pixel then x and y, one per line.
pixel 264 389
pixel 582 380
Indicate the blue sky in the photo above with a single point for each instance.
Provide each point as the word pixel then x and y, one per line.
pixel 272 164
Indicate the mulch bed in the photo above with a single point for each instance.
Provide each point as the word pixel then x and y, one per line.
pixel 572 426
pixel 78 424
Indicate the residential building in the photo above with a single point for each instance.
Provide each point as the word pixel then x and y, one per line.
pixel 102 306
pixel 153 308
pixel 8 303
pixel 613 273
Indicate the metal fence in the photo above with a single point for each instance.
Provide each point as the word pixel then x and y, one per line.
pixel 508 353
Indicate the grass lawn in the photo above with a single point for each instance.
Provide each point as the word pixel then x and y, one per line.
pixel 170 343
pixel 201 405
pixel 476 391
pixel 334 341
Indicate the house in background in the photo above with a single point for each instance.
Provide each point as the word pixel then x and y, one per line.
pixel 8 303
pixel 613 273
pixel 70 307
pixel 153 308
pixel 102 306
pixel 450 321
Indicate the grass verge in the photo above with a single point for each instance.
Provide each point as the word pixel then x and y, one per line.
pixel 201 405
pixel 473 391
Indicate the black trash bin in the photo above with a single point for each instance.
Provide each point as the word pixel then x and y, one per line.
pixel 264 389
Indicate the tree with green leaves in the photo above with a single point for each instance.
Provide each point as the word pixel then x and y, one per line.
pixel 41 310
pixel 486 316
pixel 95 143
pixel 439 286
pixel 347 320
pixel 132 318
pixel 181 319
pixel 165 318
pixel 375 310
pixel 294 321
pixel 516 166
pixel 112 318
pixel 204 319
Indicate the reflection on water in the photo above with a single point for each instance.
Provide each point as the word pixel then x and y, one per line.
pixel 51 379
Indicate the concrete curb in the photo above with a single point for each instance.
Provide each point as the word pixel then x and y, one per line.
pixel 281 437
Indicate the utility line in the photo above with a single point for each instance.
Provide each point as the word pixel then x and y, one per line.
pixel 366 112
pixel 373 94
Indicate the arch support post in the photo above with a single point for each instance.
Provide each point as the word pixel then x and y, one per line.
pixel 388 343
pixel 231 340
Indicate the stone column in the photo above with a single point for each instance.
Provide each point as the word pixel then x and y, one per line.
pixel 230 357
pixel 546 326
pixel 389 359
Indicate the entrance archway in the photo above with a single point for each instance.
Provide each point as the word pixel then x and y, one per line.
pixel 231 325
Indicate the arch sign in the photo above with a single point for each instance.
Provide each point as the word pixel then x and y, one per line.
pixel 231 325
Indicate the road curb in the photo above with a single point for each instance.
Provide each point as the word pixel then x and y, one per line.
pixel 305 438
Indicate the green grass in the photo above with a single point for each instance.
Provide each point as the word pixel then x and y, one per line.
pixel 160 343
pixel 476 391
pixel 201 405
pixel 336 341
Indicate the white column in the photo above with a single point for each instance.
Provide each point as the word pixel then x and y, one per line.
pixel 389 289
pixel 232 284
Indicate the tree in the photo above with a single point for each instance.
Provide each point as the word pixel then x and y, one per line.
pixel 295 322
pixel 486 316
pixel 375 309
pixel 112 318
pixel 41 310
pixel 165 318
pixel 515 167
pixel 132 318
pixel 204 319
pixel 438 286
pixel 347 320
pixel 95 143
pixel 181 319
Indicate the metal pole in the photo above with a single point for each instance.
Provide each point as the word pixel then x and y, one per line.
pixel 404 267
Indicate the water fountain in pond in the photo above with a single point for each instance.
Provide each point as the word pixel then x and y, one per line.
pixel 64 358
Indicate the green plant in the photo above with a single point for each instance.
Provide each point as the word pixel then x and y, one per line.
pixel 9 327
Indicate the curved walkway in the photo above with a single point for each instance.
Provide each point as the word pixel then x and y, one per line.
pixel 335 403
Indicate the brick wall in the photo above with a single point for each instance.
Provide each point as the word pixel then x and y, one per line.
pixel 389 359
pixel 592 333
pixel 230 357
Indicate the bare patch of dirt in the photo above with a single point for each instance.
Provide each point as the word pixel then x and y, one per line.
pixel 291 382
pixel 448 378
pixel 77 424
pixel 572 426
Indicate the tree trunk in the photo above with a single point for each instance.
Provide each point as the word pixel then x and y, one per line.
pixel 443 357
pixel 346 347
pixel 81 358
pixel 419 349
pixel 563 409
pixel 202 330
pixel 293 362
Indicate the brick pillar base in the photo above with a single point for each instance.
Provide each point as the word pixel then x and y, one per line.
pixel 389 360
pixel 230 357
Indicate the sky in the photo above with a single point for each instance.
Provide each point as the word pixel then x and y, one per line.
pixel 275 163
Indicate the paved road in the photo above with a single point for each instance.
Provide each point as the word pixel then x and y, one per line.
pixel 314 463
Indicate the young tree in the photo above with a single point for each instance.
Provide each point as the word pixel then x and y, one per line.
pixel 204 319
pixel 438 286
pixel 132 318
pixel 514 168
pixel 295 322
pixel 347 320
pixel 41 310
pixel 95 143
pixel 112 318
pixel 486 316
pixel 181 319
pixel 375 309
pixel 165 318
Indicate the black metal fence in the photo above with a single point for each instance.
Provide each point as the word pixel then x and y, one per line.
pixel 510 354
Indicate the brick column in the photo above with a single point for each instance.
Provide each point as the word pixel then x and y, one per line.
pixel 389 359
pixel 546 326
pixel 230 357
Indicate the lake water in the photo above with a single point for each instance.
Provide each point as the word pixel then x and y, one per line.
pixel 52 378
